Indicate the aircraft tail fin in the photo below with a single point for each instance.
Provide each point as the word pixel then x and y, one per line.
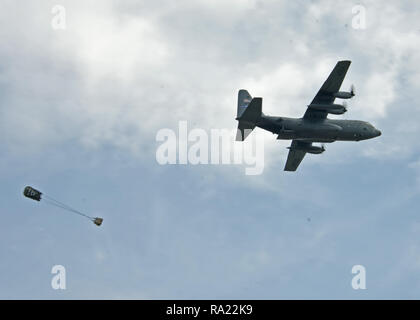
pixel 244 99
pixel 248 114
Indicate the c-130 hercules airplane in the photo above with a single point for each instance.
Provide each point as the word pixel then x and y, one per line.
pixel 314 126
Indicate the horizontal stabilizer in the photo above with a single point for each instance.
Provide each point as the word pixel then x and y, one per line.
pixel 244 130
pixel 248 119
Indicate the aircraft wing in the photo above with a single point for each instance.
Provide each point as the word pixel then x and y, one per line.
pixel 295 157
pixel 332 85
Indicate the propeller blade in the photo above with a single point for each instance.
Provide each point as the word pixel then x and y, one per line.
pixel 352 90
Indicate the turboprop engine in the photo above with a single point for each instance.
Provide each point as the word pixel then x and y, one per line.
pixel 344 94
pixel 330 108
pixel 309 149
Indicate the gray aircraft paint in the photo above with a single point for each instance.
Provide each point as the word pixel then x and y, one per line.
pixel 326 130
pixel 314 126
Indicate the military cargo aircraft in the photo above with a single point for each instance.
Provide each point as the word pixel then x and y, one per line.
pixel 314 126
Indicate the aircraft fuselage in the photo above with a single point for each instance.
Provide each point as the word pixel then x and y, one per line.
pixel 318 130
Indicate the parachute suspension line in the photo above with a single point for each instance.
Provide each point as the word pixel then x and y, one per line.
pixel 67 208
pixel 57 205
pixel 61 205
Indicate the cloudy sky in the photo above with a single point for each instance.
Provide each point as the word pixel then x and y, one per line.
pixel 80 108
